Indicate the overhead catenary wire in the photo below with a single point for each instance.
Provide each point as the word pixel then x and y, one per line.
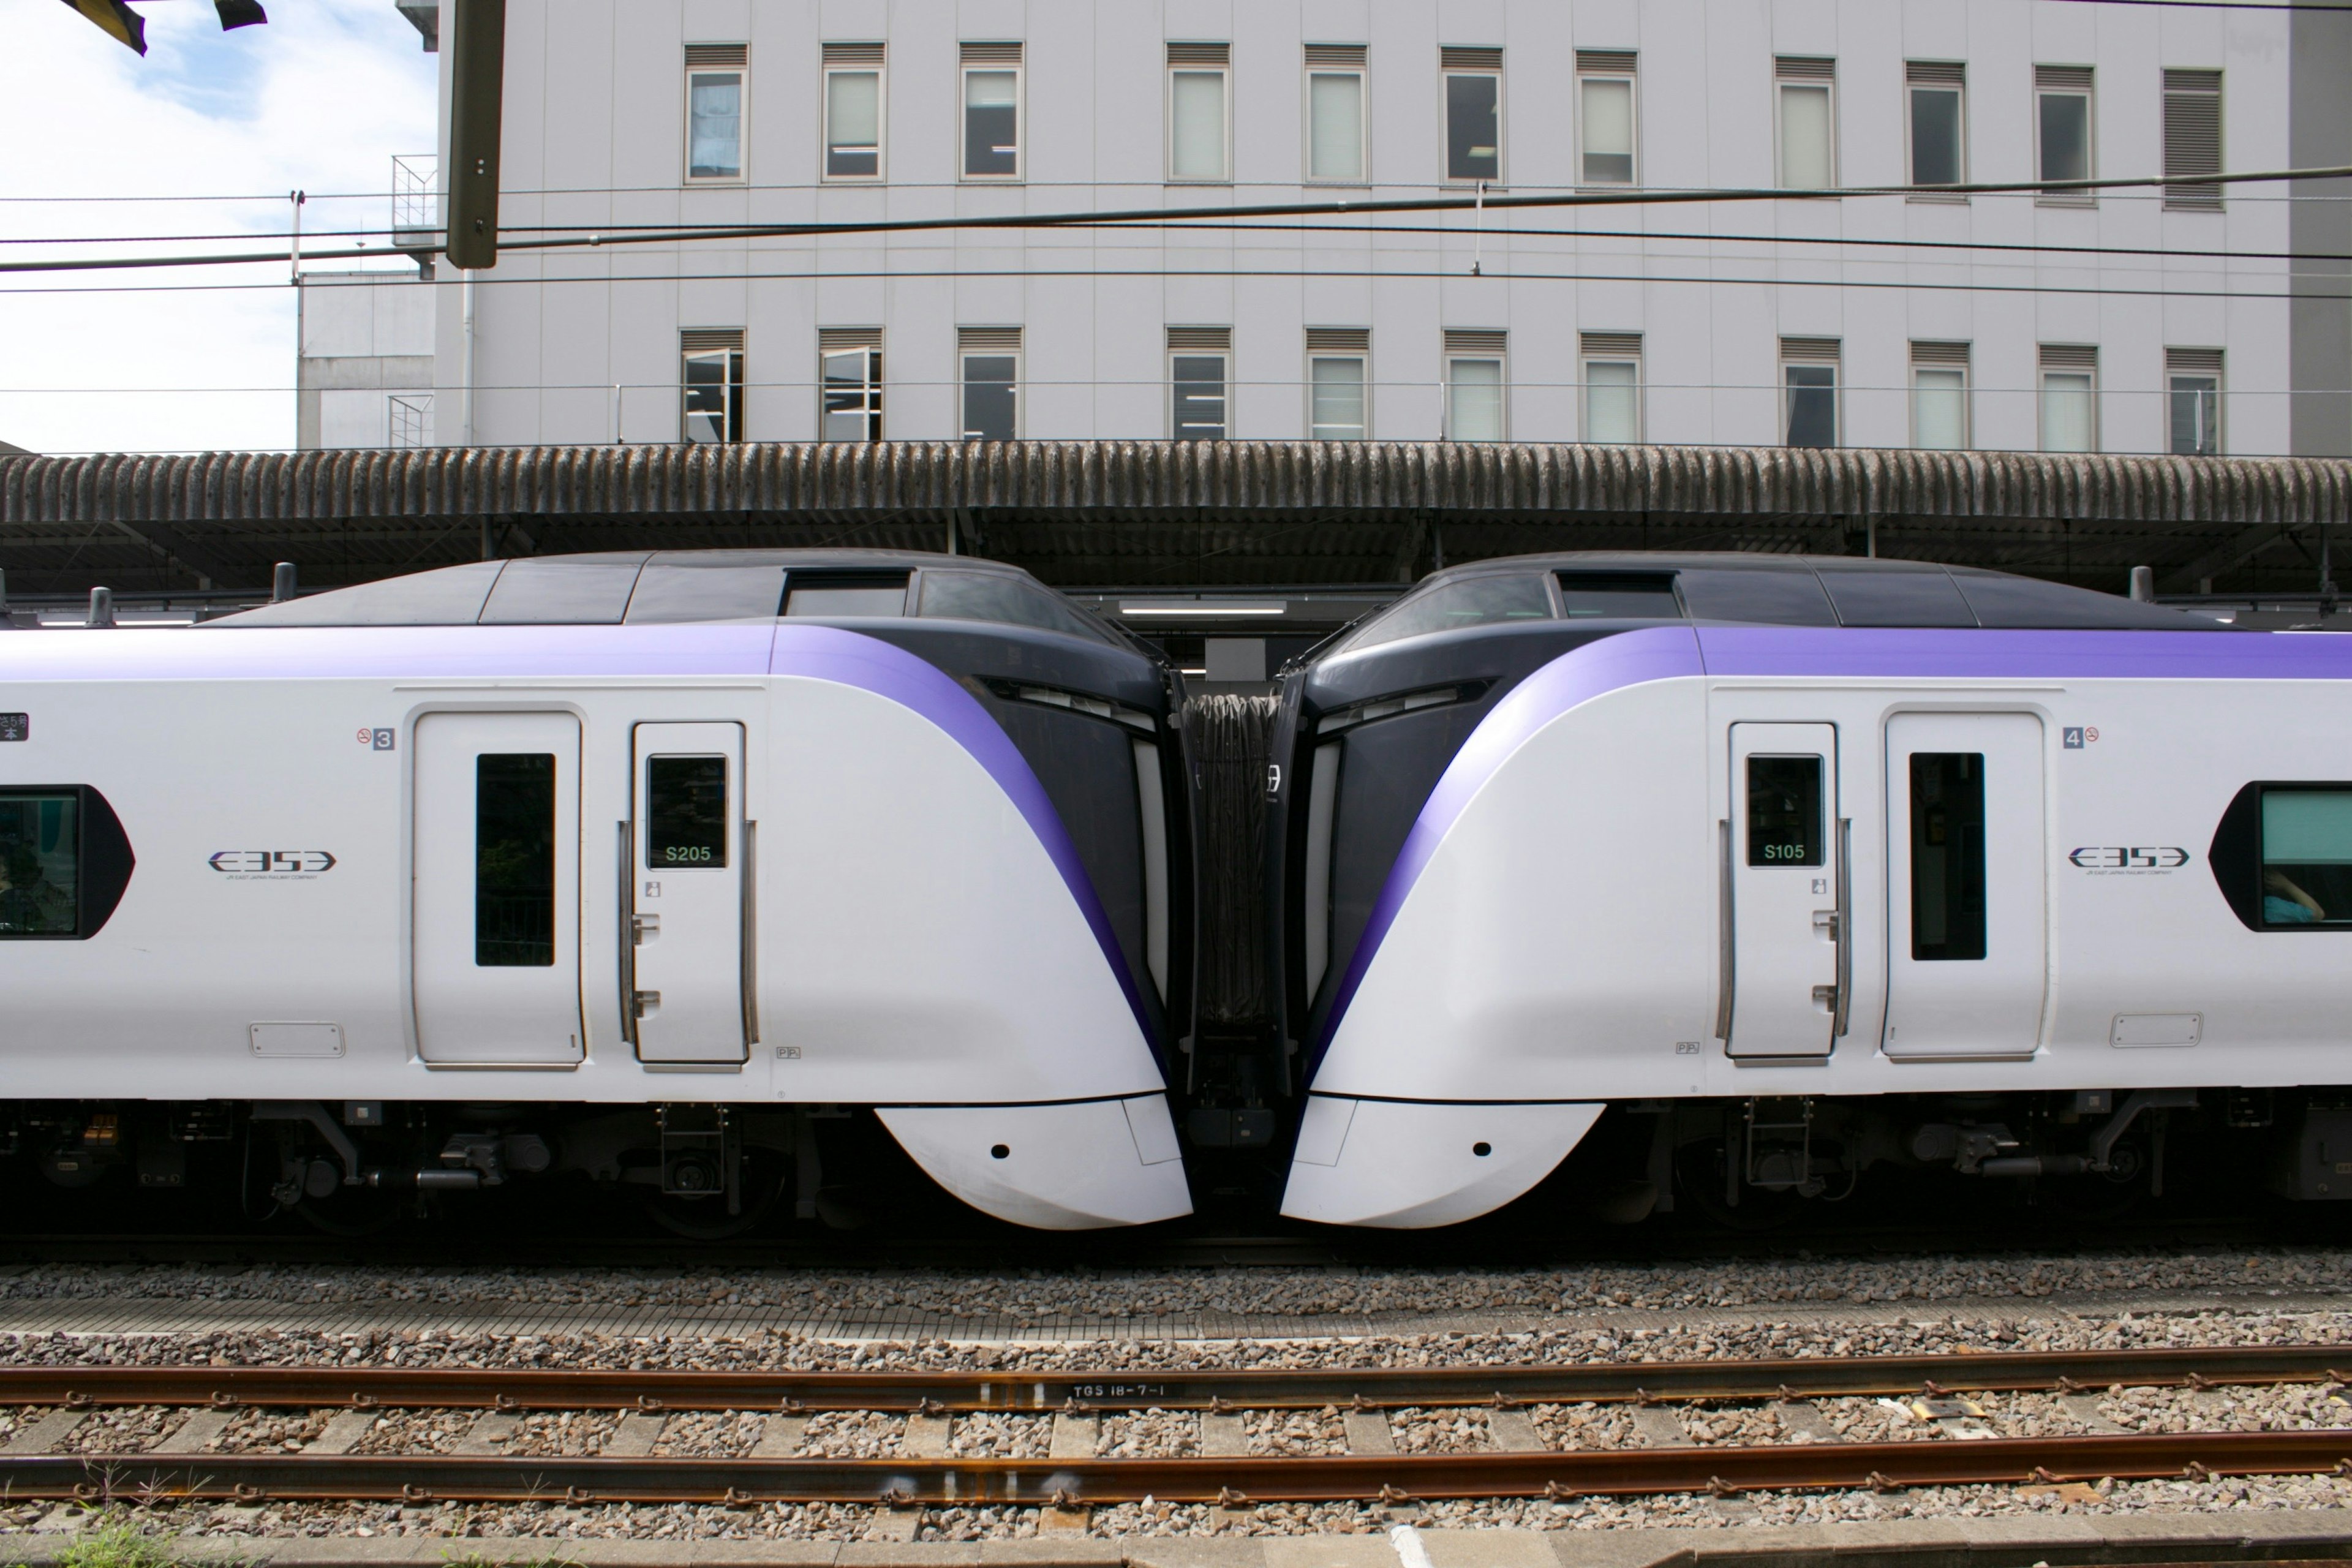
pixel 1375 274
pixel 1114 218
pixel 1663 236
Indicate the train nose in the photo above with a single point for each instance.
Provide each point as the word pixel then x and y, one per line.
pixel 1073 1166
pixel 1406 1164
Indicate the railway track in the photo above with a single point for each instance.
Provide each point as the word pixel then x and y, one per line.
pixel 1521 1463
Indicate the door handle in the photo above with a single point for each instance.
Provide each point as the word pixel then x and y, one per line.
pixel 646 1002
pixel 644 926
pixel 1829 923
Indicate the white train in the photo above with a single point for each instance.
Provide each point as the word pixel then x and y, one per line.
pixel 648 867
pixel 1780 870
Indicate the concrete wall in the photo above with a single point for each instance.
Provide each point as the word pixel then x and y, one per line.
pixel 2320 137
pixel 593 139
pixel 367 338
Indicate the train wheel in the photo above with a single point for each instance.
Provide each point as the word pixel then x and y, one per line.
pixel 370 1211
pixel 1700 1175
pixel 2101 1194
pixel 763 1176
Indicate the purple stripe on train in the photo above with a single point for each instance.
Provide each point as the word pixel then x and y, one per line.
pixel 821 653
pixel 1665 653
pixel 556 653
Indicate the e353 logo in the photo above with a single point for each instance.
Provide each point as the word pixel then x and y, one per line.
pixel 2116 859
pixel 272 862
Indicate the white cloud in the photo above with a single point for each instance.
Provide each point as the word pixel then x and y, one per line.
pixel 320 99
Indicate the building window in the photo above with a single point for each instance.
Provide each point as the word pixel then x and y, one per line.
pixel 991 111
pixel 1939 121
pixel 713 383
pixel 1474 113
pixel 1474 385
pixel 990 361
pixel 1939 396
pixel 1809 392
pixel 1335 113
pixel 1613 387
pixel 2193 137
pixel 853 111
pixel 2069 397
pixel 411 420
pixel 2192 382
pixel 1197 361
pixel 714 110
pixel 2062 130
pixel 1200 124
pixel 1604 92
pixel 1807 104
pixel 849 366
pixel 1338 384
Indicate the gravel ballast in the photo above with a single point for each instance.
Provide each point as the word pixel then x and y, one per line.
pixel 1936 1306
pixel 1284 1291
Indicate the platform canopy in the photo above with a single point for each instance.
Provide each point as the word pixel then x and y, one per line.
pixel 1145 513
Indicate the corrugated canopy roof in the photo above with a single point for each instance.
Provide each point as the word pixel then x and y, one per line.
pixel 1156 512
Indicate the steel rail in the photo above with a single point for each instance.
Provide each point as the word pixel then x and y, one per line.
pixel 432 1478
pixel 539 1388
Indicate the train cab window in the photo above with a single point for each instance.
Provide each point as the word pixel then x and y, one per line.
pixel 2306 849
pixel 1623 595
pixel 1771 598
pixel 1947 855
pixel 514 860
pixel 1471 602
pixel 988 596
pixel 40 864
pixel 673 591
pixel 686 812
pixel 844 593
pixel 1784 811
pixel 1878 597
pixel 581 590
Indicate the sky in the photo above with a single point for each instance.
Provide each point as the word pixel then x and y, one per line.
pixel 320 99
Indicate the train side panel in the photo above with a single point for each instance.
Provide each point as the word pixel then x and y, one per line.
pixel 1566 941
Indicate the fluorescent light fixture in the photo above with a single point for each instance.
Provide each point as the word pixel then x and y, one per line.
pixel 1195 607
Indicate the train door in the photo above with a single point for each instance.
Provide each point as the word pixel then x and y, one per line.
pixel 689 895
pixel 1785 883
pixel 1967 953
pixel 497 889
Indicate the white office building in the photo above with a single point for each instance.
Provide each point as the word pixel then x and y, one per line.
pixel 2162 318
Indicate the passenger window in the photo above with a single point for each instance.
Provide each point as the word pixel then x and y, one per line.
pixel 1947 855
pixel 1784 811
pixel 1622 595
pixel 514 860
pixel 2306 857
pixel 40 864
pixel 686 812
pixel 1477 602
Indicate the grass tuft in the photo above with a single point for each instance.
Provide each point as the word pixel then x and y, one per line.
pixel 116 1543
